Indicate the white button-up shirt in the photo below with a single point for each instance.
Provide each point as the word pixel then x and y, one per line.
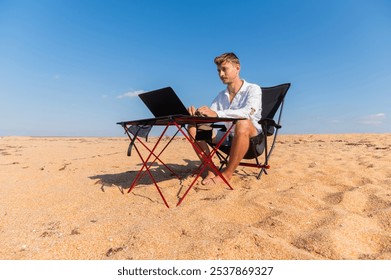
pixel 247 103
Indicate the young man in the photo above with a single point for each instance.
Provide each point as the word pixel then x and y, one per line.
pixel 239 100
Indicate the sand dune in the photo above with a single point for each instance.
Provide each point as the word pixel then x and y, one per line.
pixel 326 197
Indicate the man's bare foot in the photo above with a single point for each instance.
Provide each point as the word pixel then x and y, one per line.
pixel 216 180
pixel 209 176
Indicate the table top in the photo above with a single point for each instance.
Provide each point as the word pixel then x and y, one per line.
pixel 179 119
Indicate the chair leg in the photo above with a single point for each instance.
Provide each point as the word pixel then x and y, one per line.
pixel 223 160
pixel 263 170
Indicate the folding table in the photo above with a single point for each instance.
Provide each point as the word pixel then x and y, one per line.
pixel 180 122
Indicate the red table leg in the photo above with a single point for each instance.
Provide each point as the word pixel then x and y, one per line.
pixel 206 160
pixel 145 162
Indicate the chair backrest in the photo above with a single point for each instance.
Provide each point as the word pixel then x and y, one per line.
pixel 272 97
pixel 272 100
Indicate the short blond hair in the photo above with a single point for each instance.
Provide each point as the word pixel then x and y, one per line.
pixel 227 57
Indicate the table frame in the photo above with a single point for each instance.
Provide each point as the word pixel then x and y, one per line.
pixel 180 122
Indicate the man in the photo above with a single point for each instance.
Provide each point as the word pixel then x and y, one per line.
pixel 239 100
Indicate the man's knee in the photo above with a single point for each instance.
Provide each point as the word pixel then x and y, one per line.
pixel 244 128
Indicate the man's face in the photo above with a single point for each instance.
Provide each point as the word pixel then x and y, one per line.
pixel 228 72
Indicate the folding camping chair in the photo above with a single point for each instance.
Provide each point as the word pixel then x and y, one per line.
pixel 272 101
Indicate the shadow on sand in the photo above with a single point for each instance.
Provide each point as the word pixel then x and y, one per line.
pixel 160 174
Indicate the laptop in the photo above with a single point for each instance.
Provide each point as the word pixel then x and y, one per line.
pixel 163 102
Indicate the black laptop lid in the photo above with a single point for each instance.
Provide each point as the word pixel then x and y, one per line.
pixel 163 102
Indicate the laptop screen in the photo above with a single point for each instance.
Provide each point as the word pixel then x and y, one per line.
pixel 163 102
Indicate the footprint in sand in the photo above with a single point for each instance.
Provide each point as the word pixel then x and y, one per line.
pixel 377 203
pixel 334 198
pixel 316 242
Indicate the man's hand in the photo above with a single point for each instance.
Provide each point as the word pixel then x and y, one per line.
pixel 192 110
pixel 205 111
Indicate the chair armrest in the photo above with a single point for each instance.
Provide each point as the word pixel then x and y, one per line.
pixel 269 122
pixel 268 125
pixel 204 131
pixel 137 130
pixel 220 126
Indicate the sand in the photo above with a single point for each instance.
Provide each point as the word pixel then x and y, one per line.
pixel 325 197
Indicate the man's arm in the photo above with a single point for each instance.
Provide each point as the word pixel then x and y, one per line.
pixel 246 110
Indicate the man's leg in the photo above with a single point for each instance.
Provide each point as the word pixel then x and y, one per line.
pixel 204 148
pixel 244 130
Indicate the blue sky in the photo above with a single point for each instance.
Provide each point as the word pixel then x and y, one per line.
pixel 71 68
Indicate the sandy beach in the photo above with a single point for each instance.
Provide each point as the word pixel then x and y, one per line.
pixel 325 197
